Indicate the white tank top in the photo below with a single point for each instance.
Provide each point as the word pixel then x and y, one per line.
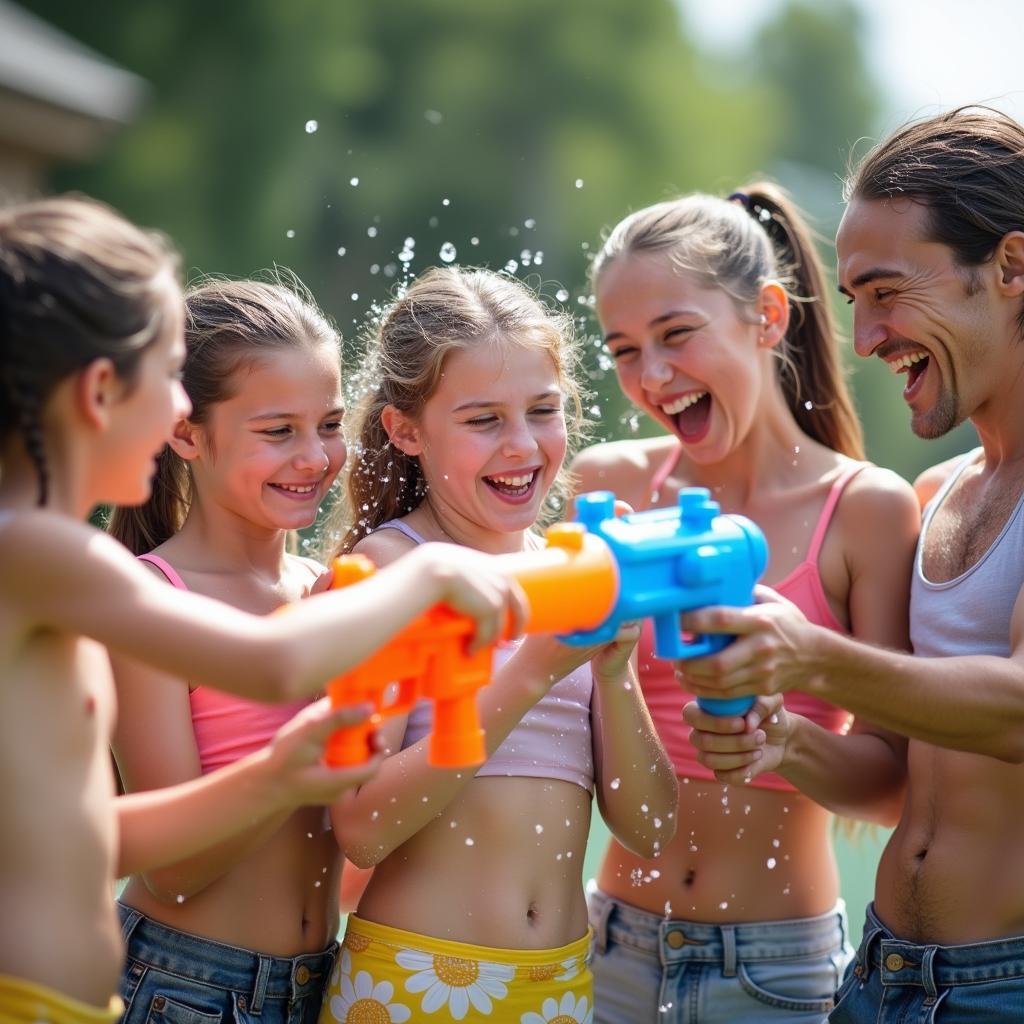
pixel 552 740
pixel 971 613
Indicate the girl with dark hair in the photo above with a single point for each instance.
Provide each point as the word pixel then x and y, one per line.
pixel 90 353
pixel 714 314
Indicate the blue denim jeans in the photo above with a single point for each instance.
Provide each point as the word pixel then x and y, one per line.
pixel 173 977
pixel 896 982
pixel 655 970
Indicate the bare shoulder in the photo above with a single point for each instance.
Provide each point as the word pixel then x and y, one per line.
pixel 879 513
pixel 625 467
pixel 928 483
pixel 38 547
pixel 385 546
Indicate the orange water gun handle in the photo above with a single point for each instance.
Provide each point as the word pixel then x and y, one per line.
pixel 453 680
pixel 363 684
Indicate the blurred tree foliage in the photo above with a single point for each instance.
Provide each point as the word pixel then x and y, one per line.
pixel 351 140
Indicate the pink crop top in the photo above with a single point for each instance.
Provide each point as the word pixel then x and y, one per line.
pixel 551 741
pixel 666 698
pixel 227 727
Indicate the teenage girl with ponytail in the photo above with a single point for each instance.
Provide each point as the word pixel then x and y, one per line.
pixel 714 313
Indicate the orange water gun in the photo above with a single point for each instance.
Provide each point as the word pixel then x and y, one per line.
pixel 571 585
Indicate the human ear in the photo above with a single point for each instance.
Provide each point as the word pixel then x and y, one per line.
pixel 96 392
pixel 401 430
pixel 184 440
pixel 1010 259
pixel 773 307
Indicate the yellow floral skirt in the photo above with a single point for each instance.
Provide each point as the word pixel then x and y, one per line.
pixel 388 976
pixel 26 1002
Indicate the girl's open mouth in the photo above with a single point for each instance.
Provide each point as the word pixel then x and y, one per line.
pixel 692 415
pixel 514 487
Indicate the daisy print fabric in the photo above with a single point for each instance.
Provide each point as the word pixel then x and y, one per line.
pixel 388 976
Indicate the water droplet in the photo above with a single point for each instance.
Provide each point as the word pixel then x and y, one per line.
pixel 355 296
pixel 538 829
pixel 433 116
pixel 290 233
pixel 636 876
pixel 579 183
pixel 561 295
pixel 644 808
pixel 808 406
pixel 615 783
pixel 771 863
pixel 353 182
pixel 446 202
pixel 657 822
pixel 447 252
pixel 342 250
pixel 474 240
pixel 511 267
pixel 668 909
pixel 180 898
pixel 433 222
pixel 776 843
pixel 724 905
pixel 371 232
pixel 655 873
pixel 469 842
pixel 375 815
pixel 529 223
pixel 311 126
pixel 316 884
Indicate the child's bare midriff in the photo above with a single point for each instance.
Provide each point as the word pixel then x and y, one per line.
pixel 59 924
pixel 504 863
pixel 297 914
pixel 778 836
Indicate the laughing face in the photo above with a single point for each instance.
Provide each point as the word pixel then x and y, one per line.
pixel 491 438
pixel 683 352
pixel 271 451
pixel 914 307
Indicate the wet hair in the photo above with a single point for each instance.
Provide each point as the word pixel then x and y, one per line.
pixel 447 309
pixel 757 235
pixel 229 325
pixel 78 283
pixel 966 166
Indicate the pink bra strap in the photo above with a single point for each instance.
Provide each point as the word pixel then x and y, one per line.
pixel 165 567
pixel 662 474
pixel 830 506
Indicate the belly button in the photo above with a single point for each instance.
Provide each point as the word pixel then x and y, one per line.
pixel 690 877
pixel 532 913
pixel 90 705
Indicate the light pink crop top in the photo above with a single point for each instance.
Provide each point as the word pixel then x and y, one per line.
pixel 666 698
pixel 552 740
pixel 227 727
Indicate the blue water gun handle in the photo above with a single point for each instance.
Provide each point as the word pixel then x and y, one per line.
pixel 675 560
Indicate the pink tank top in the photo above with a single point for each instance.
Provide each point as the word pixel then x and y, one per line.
pixel 227 727
pixel 551 741
pixel 666 698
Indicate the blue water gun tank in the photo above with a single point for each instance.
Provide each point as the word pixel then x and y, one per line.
pixel 675 560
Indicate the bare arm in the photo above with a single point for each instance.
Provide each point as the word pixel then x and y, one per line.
pixel 170 826
pixel 635 783
pixel 861 774
pixel 408 792
pixel 70 577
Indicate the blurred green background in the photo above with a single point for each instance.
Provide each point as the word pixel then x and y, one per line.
pixel 357 143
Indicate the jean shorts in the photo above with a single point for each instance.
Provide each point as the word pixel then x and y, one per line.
pixel 650 969
pixel 894 981
pixel 173 977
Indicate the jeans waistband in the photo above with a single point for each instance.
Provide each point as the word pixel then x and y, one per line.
pixel 931 966
pixel 220 965
pixel 675 940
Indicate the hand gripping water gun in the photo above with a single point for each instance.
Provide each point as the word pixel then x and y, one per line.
pixel 673 560
pixel 571 585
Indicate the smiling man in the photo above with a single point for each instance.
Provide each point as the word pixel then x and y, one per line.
pixel 931 254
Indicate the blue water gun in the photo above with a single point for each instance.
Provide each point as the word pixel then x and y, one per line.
pixel 674 560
